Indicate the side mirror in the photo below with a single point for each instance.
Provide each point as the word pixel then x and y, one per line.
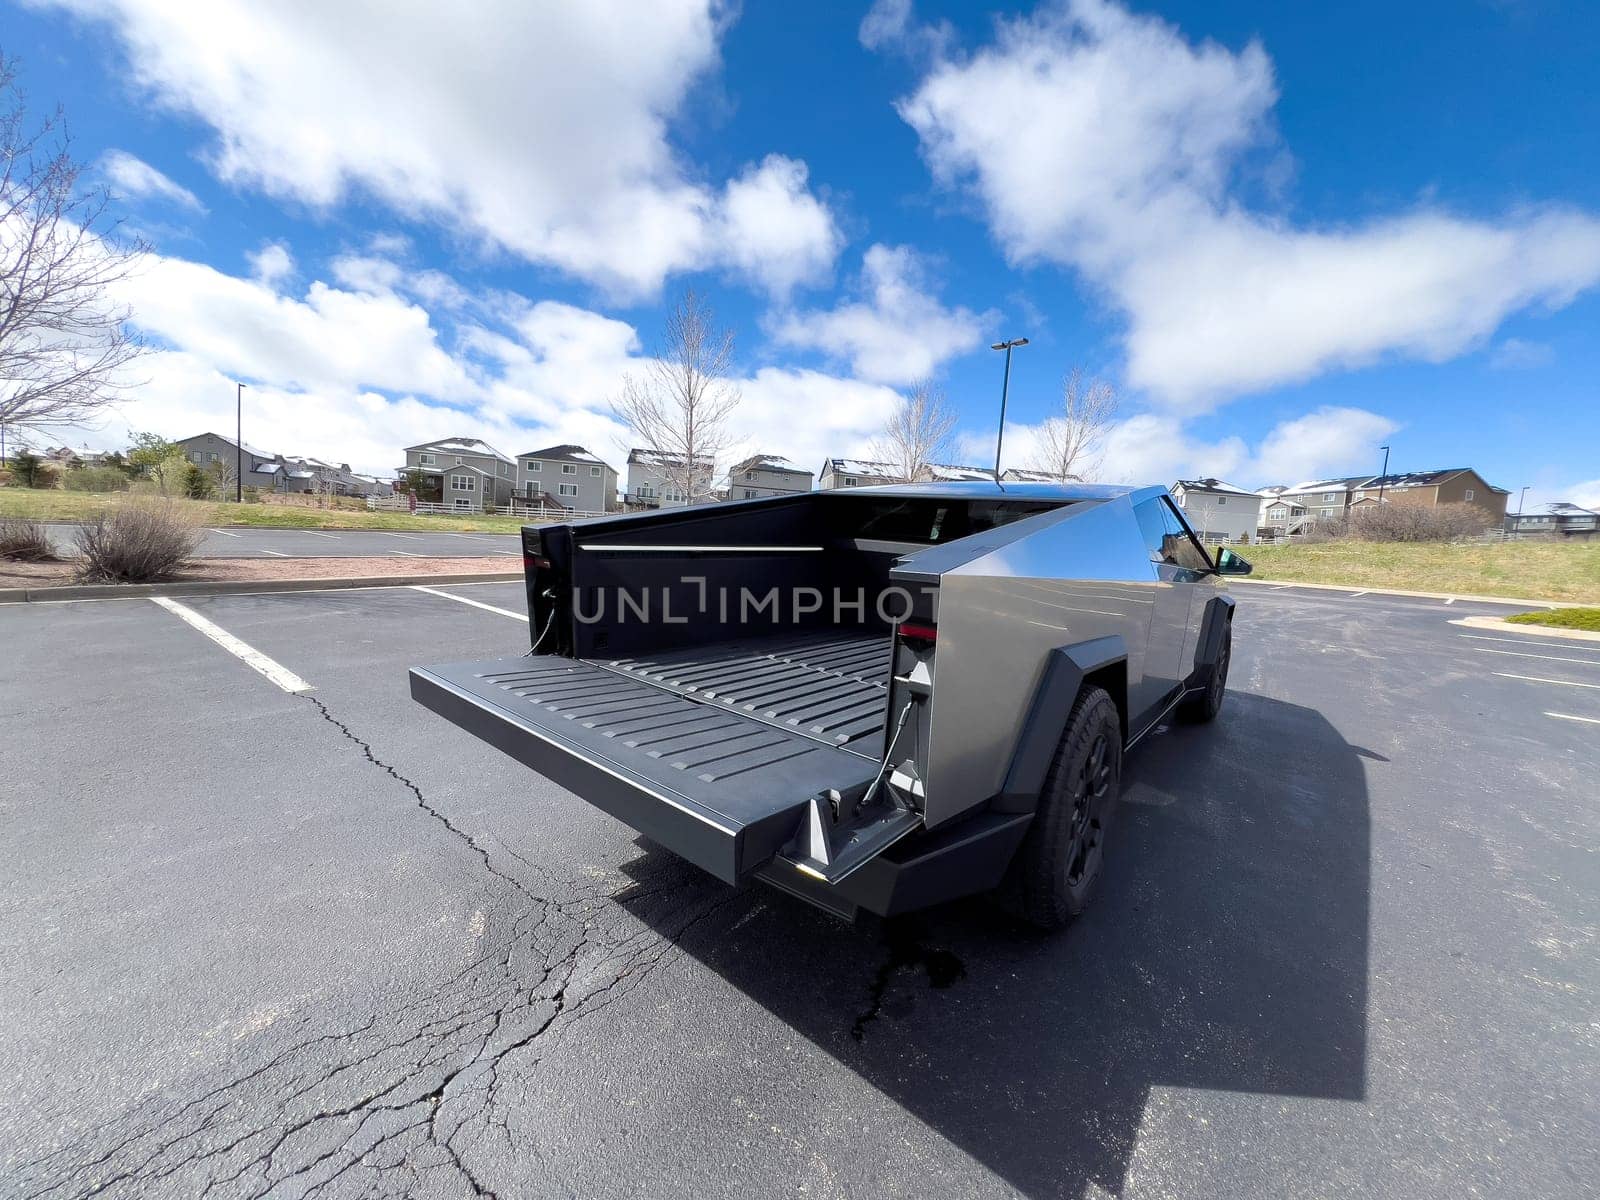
pixel 1229 563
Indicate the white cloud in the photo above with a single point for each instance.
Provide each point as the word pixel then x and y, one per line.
pixel 776 231
pixel 1319 445
pixel 1160 447
pixel 271 264
pixel 135 179
pixel 1585 495
pixel 1104 142
pixel 898 331
pixel 354 373
pixel 538 128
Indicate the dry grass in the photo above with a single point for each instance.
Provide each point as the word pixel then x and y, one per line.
pixel 142 540
pixel 78 507
pixel 1559 571
pixel 25 540
pixel 1561 618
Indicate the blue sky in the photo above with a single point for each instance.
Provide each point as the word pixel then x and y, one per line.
pixel 1287 235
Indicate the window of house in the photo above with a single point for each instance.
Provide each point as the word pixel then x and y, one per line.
pixel 463 483
pixel 1467 495
pixel 463 502
pixel 1329 497
pixel 532 465
pixel 850 481
pixel 569 468
pixel 595 472
pixel 458 460
pixel 425 459
pixel 1221 500
pixel 569 489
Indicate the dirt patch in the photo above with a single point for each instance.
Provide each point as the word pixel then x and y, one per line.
pixel 249 570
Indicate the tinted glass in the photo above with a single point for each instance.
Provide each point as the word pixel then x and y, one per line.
pixel 1153 528
pixel 922 519
pixel 1179 545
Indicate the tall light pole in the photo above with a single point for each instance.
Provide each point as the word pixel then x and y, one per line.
pixel 238 445
pixel 1384 477
pixel 1005 388
pixel 1522 496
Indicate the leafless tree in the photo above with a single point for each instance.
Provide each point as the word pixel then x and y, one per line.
pixel 917 432
pixel 1072 439
pixel 681 402
pixel 63 339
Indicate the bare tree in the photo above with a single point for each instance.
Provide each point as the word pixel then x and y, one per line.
pixel 917 432
pixel 680 404
pixel 1072 439
pixel 63 340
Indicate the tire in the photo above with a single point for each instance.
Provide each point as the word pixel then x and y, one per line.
pixel 1054 873
pixel 1203 706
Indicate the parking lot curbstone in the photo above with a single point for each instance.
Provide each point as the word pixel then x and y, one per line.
pixel 1377 591
pixel 1571 635
pixel 135 591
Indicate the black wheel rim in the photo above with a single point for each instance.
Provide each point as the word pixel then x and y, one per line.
pixel 1091 786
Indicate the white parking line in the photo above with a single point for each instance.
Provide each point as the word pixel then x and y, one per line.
pixel 1451 600
pixel 1539 679
pixel 408 536
pixel 277 553
pixel 471 537
pixel 223 532
pixel 314 533
pixel 1588 662
pixel 1353 595
pixel 1570 717
pixel 408 554
pixel 249 655
pixel 1521 641
pixel 504 612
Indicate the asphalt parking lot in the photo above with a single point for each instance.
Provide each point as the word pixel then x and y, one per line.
pixel 292 941
pixel 250 542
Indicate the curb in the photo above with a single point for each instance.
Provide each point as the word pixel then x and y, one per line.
pixel 1571 635
pixel 1377 591
pixel 235 587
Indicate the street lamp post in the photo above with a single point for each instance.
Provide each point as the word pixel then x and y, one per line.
pixel 238 445
pixel 1384 477
pixel 1005 388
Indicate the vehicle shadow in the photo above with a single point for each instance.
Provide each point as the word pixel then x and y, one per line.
pixel 1226 949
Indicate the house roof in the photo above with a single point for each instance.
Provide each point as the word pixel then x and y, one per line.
pixel 1212 485
pixel 948 473
pixel 859 466
pixel 1020 475
pixel 767 462
pixel 566 453
pixel 1562 509
pixel 245 446
pixel 663 458
pixel 1411 479
pixel 461 445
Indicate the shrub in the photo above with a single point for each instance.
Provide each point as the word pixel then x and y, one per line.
pixel 1415 523
pixel 196 483
pixel 140 541
pixel 94 479
pixel 29 470
pixel 25 540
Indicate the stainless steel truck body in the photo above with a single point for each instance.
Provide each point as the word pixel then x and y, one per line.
pixel 875 698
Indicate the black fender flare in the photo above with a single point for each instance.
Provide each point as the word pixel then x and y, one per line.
pixel 1064 672
pixel 1213 625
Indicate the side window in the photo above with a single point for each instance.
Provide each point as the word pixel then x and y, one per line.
pixel 1153 527
pixel 1180 545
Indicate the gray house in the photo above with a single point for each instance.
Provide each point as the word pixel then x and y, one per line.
pixel 570 476
pixel 648 482
pixel 855 472
pixel 1218 511
pixel 208 450
pixel 466 473
pixel 766 475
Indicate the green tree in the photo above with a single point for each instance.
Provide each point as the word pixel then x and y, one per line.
pixel 196 483
pixel 28 470
pixel 151 456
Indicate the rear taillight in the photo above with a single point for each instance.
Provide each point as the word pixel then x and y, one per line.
pixel 917 631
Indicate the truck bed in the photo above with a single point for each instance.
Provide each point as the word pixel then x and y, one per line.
pixel 715 752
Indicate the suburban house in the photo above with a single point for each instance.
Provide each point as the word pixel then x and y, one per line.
pixel 569 476
pixel 208 450
pixel 463 472
pixel 1218 511
pixel 944 473
pixel 1022 475
pixel 648 482
pixel 855 472
pixel 1280 514
pixel 1557 520
pixel 1454 485
pixel 766 475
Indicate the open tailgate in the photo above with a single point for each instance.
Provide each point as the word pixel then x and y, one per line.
pixel 724 790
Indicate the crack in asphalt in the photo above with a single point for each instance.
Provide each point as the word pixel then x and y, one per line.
pixel 406 1092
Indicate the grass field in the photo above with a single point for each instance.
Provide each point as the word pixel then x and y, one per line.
pixel 1587 619
pixel 1564 571
pixel 53 505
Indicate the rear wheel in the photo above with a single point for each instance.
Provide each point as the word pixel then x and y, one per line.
pixel 1054 873
pixel 1204 706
